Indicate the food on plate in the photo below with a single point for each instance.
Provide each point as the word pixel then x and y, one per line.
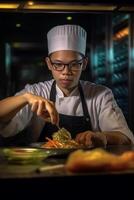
pixel 62 135
pixel 57 144
pixel 99 160
pixel 61 139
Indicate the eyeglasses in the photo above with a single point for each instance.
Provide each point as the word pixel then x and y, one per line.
pixel 74 65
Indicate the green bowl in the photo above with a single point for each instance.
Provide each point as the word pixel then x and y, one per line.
pixel 24 155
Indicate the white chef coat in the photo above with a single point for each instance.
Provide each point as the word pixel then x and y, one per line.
pixel 104 112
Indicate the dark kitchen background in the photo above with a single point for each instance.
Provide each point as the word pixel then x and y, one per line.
pixel 110 46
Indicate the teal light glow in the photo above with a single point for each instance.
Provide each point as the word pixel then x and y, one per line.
pixel 7 58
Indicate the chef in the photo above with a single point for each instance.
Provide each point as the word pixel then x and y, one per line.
pixel 88 111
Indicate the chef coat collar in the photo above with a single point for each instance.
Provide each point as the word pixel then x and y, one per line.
pixel 60 94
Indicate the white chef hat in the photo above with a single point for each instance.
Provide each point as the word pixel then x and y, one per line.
pixel 67 37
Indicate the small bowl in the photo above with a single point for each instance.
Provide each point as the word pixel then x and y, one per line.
pixel 24 155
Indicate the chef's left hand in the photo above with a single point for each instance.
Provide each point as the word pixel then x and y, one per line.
pixel 88 138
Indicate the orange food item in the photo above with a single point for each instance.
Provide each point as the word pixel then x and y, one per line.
pixel 52 144
pixel 99 160
pixel 57 144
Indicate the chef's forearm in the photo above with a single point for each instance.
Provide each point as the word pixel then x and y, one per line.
pixel 116 137
pixel 10 106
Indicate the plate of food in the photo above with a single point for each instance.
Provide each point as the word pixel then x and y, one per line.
pixel 61 143
pixel 19 155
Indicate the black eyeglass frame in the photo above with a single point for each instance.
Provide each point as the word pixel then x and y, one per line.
pixel 79 62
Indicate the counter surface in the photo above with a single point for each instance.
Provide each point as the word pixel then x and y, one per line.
pixel 53 166
pixel 26 181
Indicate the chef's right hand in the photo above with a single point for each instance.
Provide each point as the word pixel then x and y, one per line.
pixel 43 108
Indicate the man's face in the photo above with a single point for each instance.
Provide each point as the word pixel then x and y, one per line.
pixel 68 77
